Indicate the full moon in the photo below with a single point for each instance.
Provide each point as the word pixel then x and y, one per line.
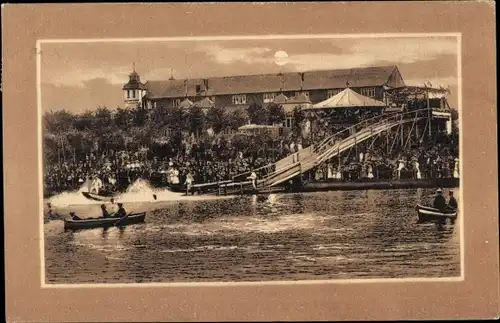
pixel 281 58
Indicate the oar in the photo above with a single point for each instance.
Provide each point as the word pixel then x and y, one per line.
pixel 124 217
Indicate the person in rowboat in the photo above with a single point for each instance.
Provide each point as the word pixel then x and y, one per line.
pixel 439 201
pixel 452 202
pixel 74 216
pixel 121 211
pixel 105 213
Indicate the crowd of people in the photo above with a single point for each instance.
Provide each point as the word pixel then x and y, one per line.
pixel 223 160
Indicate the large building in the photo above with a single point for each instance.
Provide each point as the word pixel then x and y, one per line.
pixel 234 92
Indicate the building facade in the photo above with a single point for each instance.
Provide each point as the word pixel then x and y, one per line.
pixel 238 92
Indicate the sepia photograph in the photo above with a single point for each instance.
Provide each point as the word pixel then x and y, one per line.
pixel 252 159
pixel 297 161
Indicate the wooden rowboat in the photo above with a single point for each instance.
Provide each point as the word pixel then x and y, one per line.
pixel 133 218
pixel 95 197
pixel 426 214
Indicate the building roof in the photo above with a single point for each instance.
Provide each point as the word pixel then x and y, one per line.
pixel 185 103
pixel 134 82
pixel 280 99
pixel 348 99
pixel 301 98
pixel 326 79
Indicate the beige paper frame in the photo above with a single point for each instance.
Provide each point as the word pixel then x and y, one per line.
pixel 474 297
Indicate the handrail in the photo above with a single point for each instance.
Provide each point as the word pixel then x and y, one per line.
pixel 316 148
pixel 254 170
pixel 328 151
pixel 279 171
pixel 385 117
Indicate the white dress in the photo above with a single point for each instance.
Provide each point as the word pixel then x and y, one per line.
pixel 175 177
pixel 456 173
pixel 417 168
pixel 361 157
pixel 370 172
pixel 330 172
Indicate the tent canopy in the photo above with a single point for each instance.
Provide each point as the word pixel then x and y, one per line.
pixel 348 99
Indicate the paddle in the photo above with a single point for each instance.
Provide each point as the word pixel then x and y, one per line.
pixel 122 218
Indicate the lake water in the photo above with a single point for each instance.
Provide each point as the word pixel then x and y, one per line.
pixel 324 235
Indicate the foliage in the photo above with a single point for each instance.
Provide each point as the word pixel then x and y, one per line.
pixel 196 120
pixel 139 116
pixel 257 114
pixel 217 119
pixel 298 118
pixel 122 118
pixel 275 114
pixel 237 118
pixel 58 121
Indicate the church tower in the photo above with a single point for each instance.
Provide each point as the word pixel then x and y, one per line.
pixel 134 90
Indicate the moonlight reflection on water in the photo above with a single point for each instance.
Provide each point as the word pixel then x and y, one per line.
pixel 327 235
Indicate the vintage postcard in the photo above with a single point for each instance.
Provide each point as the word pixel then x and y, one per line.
pixel 236 160
pixel 265 160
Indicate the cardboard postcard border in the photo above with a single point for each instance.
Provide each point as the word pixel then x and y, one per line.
pixel 474 297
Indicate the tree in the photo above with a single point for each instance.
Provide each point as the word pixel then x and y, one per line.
pixel 196 120
pixel 157 116
pixel 139 116
pixel 58 121
pixel 257 114
pixel 176 120
pixel 298 118
pixel 275 114
pixel 217 119
pixel 237 118
pixel 83 122
pixel 103 120
pixel 121 118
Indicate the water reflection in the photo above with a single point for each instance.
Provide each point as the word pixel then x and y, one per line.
pixel 327 235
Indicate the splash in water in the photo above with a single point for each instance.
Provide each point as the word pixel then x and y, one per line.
pixel 71 198
pixel 139 191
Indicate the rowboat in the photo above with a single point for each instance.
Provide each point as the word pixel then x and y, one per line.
pixel 426 214
pixel 133 218
pixel 95 197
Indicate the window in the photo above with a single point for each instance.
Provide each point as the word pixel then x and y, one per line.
pixel 133 93
pixel 198 88
pixel 368 91
pixel 239 99
pixel 128 94
pixel 269 97
pixel 228 131
pixel 176 102
pixel 167 132
pixel 333 92
pixel 288 122
pixel 303 92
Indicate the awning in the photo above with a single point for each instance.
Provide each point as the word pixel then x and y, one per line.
pixel 348 99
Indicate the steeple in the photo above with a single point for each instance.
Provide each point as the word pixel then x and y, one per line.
pixel 134 90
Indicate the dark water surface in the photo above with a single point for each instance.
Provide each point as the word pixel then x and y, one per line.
pixel 327 235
